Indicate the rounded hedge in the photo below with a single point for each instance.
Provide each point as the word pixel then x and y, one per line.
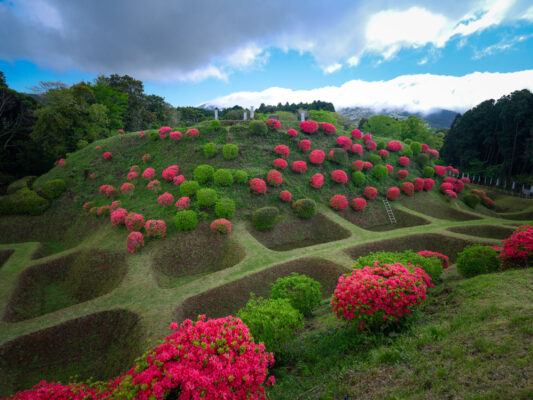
pixel 210 150
pixel 406 153
pixel 358 178
pixel 477 259
pixel 422 159
pixel 189 188
pixel 416 147
pixel 53 188
pixel 429 172
pixel 215 125
pixel 265 218
pixel 230 151
pixel 302 292
pixel 305 208
pixel 339 156
pixel 381 145
pixel 241 176
pixel 380 172
pixel 223 177
pixel 203 173
pixel 471 200
pixel 25 182
pixel 375 159
pixel 154 136
pixel 258 127
pixel 23 201
pixel 206 197
pixel 185 220
pixel 225 208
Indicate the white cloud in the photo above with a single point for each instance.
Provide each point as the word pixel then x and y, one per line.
pixel 423 61
pixel 422 92
pixel 172 75
pixel 332 68
pixel 502 45
pixel 354 61
pixel 528 15
pixel 492 13
pixel 246 57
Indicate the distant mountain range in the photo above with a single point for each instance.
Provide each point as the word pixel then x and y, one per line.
pixel 438 119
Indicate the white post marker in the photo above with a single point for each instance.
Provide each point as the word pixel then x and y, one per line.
pixel 245 115
pixel 514 184
pixel 498 182
pixel 252 112
pixel 302 116
pixel 216 114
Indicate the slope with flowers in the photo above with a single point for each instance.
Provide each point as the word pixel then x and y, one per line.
pixel 135 193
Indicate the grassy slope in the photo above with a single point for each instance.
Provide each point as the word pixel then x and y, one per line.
pixel 66 227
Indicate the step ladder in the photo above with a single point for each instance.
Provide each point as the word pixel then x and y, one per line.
pixel 389 211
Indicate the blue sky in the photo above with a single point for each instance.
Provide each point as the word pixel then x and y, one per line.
pixel 248 52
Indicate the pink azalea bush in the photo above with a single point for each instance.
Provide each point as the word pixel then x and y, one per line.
pixel 407 188
pixel 280 163
pixel 127 189
pixel 282 150
pixel 345 142
pixel 308 126
pixel 221 226
pixel 155 228
pixel 428 184
pixel 356 134
pixel 317 157
pixel 393 193
pixel 356 149
pixel 444 260
pixel 419 184
pixel 178 180
pixel 98 147
pixel 358 165
pixel 193 132
pixel 107 155
pixel 394 145
pixel 383 154
pixel 370 192
pixel 274 177
pixel 163 131
pixel 175 135
pixel 402 174
pixel 170 173
pixel 425 148
pixel 118 217
pixel 107 190
pixel 134 222
pixel 338 202
pixel 440 170
pixel 370 145
pixel 390 168
pixel 285 196
pixel 291 132
pixel 304 145
pixel 367 137
pixel 316 181
pixel 404 161
pixel 166 199
pixel 115 204
pixel 273 124
pixel 358 204
pixel 339 176
pixel 299 166
pixel 517 249
pixel 258 186
pixel 327 128
pixel 183 203
pixel 153 185
pixel 146 158
pixel 61 162
pixel 367 166
pixel 433 153
pixel 134 241
pixel 132 176
pixel 148 174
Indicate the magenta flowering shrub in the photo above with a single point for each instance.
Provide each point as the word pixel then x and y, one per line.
pixel 304 145
pixel 92 176
pixel 291 132
pixel 367 166
pixel 339 176
pixel 175 135
pixel 465 180
pixel 458 186
pixel 402 174
pixel 356 134
pixel 425 148
pixel 375 294
pixel 428 184
pixel 61 162
pixel 134 222
pixel 87 206
pixel 134 241
pixel 517 249
pixel 146 158
pixel 98 147
pixel 141 134
pixel 57 391
pixel 127 189
pixel 103 211
pixel 345 142
pixel 285 196
pixel 308 126
pixel 316 181
pixel 370 145
pixel 358 204
pixel 299 166
pixel 258 186
pixel 327 128
pixel 440 170
pixel 221 225
pixel 153 185
pixel 393 193
pixel 148 174
pixel 390 168
pixel 367 137
pixel 356 149
pixel 115 204
pixel 370 192
pixel 274 177
pixel 280 163
pixel 166 199
pixel 446 186
pixel 404 161
pixel 407 188
pixel 317 156
pixel 107 190
pixel 450 194
pixel 132 176
pixel 419 184
pixel 358 165
pixel 191 132
pixel 273 124
pixel 178 180
pixel 163 131
pixel 118 217
pixel 433 153
pixel 183 203
pixel 107 155
pixel 170 173
pixel 444 260
pixel 155 228
pixel 282 150
pixel 338 202
pixel 120 131
pixel 384 154
pixel 394 145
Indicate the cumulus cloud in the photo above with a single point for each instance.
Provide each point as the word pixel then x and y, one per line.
pixel 414 93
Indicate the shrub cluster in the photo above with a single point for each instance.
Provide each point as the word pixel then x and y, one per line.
pixel 338 202
pixel 305 208
pixel 203 173
pixel 185 220
pixel 316 181
pixel 189 188
pixel 274 178
pixel 206 197
pixel 258 127
pixel 222 226
pixel 280 163
pixel 210 150
pixel 477 259
pixel 225 208
pixel 230 151
pixel 380 172
pixel 223 177
pixel 265 218
pixel 23 201
pixel 308 126
pixel 53 188
pixel 241 176
pixel 317 156
pixel 302 292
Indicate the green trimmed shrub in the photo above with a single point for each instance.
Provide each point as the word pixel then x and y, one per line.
pixel 339 156
pixel 238 129
pixel 258 127
pixel 189 188
pixel 380 172
pixel 210 150
pixel 422 159
pixel 302 292
pixel 429 172
pixel 416 147
pixel 359 178
pixel 406 152
pixel 305 208
pixel 223 177
pixel 408 141
pixel 477 259
pixel 241 176
pixel 203 173
pixel 471 200
pixel 53 188
pixel 431 265
pixel 215 125
pixel 271 321
pixel 230 151
pixel 381 145
pixel 206 197
pixel 185 220
pixel 225 208
pixel 24 201
pixel 265 218
pixel 375 159
pixel 20 183
pixel 81 144
pixel 154 136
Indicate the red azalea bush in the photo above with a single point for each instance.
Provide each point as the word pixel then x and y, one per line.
pixel 356 134
pixel 458 186
pixel 367 166
pixel 433 153
pixel 316 181
pixel 170 173
pixel 370 192
pixel 440 170
pixel 425 148
pixel 356 149
pixel 450 194
pixel 358 165
pixel 127 189
pixel 393 193
pixel 345 142
pixel 339 176
pixel 390 168
pixel 394 145
pixel 107 155
pixel 134 241
pixel 444 260
pixel 358 204
pixel 383 154
pixel 153 185
pixel 367 137
pixel 191 132
pixel 280 163
pixel 118 217
pixel 148 174
pixel 61 162
pixel 98 147
pixel 299 166
pixel 147 158
pixel 166 199
pixel 135 168
pixel 274 177
pixel 132 176
pixel 446 186
pixel 308 126
pixel 304 145
pixel 517 249
pixel 419 184
pixel 338 202
pixel 163 131
pixel 221 225
pixel 404 161
pixel 178 180
pixel 134 222
pixel 317 156
pixel 374 294
pixel 104 210
pixel 292 132
pixel 282 150
pixel 176 135
pixel 370 145
pixel 92 176
pixel 407 188
pixel 57 391
pixel 285 196
pixel 183 203
pixel 402 174
pixel 273 124
pixel 327 128
pixel 141 134
pixel 258 186
pixel 155 228
pixel 428 184
pixel 465 179
pixel 107 190
pixel 115 204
